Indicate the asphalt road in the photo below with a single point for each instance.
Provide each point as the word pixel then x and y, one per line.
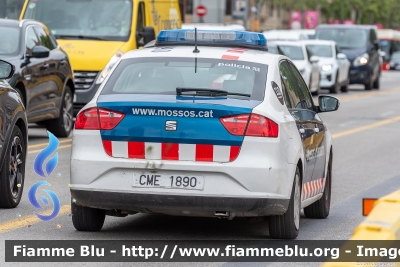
pixel 366 132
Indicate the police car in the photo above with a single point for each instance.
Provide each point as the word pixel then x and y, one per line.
pixel 203 123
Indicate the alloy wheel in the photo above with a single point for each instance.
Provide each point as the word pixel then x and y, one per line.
pixel 15 167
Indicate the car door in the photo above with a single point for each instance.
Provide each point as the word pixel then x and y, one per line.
pixel 314 70
pixel 298 111
pixel 317 148
pixel 53 70
pixel 34 75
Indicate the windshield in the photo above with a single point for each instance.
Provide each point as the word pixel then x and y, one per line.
pixel 345 38
pixel 9 40
pixel 163 75
pixel 320 50
pixel 293 52
pixel 88 19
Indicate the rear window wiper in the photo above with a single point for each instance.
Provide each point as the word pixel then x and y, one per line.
pixel 207 92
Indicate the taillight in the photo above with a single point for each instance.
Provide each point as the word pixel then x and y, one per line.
pixel 98 119
pixel 88 120
pixel 236 124
pixel 250 125
pixel 261 126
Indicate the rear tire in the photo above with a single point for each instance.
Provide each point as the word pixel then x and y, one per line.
pixel 12 175
pixel 320 209
pixel 287 226
pixel 87 219
pixel 62 126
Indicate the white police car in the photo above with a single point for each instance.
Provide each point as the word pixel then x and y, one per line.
pixel 214 126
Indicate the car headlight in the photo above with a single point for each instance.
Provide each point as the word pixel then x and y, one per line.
pixel 326 67
pixel 104 73
pixel 362 60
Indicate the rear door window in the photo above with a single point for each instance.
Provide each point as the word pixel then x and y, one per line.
pixel 163 75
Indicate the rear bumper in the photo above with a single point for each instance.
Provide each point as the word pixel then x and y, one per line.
pixel 259 175
pixel 135 202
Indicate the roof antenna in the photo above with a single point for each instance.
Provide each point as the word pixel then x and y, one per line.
pixel 195 42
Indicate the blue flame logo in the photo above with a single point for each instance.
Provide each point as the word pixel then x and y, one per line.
pixel 49 167
pixel 35 203
pixel 44 154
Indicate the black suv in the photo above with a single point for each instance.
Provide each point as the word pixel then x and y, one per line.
pixel 361 45
pixel 43 74
pixel 13 140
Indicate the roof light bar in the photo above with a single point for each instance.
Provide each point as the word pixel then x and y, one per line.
pixel 252 40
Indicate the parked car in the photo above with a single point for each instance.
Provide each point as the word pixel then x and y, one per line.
pixel 43 75
pixel 333 64
pixel 361 45
pixel 305 61
pixel 394 62
pixel 285 35
pixel 13 141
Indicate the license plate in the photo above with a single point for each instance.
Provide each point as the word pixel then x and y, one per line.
pixel 168 181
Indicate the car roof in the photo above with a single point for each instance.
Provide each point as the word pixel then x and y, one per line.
pixel 19 23
pixel 350 26
pixel 250 55
pixel 294 43
pixel 9 22
pixel 317 41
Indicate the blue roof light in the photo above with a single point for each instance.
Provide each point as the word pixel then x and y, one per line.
pixel 212 38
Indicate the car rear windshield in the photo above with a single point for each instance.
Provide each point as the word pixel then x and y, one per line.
pixel 163 75
pixel 345 38
pixel 320 50
pixel 293 52
pixel 9 43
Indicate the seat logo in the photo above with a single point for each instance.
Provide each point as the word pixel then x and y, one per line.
pixel 171 125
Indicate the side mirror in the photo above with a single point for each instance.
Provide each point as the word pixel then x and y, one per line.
pixel 6 70
pixel 39 52
pixel 147 34
pixel 341 56
pixel 314 59
pixel 327 103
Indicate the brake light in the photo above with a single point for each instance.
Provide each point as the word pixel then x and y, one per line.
pixel 88 119
pixel 236 124
pixel 98 119
pixel 261 126
pixel 250 125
